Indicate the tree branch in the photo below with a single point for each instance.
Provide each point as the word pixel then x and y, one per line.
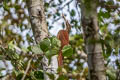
pixel 107 6
pixel 28 67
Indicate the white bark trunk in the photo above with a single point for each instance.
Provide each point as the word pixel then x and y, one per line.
pixel 92 39
pixel 40 31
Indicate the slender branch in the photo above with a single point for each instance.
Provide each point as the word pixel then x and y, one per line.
pixel 115 7
pixel 55 20
pixel 78 29
pixel 65 5
pixel 103 4
pixel 61 8
pixel 28 67
pixel 111 6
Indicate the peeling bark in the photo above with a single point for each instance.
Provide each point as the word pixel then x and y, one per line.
pixel 92 39
pixel 37 18
pixel 40 31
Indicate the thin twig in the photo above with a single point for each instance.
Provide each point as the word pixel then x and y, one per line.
pixel 55 20
pixel 115 7
pixel 65 4
pixel 28 66
pixel 61 8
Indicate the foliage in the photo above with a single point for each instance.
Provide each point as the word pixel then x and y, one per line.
pixel 67 51
pixel 17 44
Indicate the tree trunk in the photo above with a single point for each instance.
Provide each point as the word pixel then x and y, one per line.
pixel 40 31
pixel 92 39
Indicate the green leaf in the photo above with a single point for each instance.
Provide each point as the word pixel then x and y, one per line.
pixel 62 77
pixel 50 53
pixel 75 22
pixel 54 5
pixel 39 75
pixel 36 49
pixel 15 56
pixel 72 13
pixel 111 73
pixel 46 4
pixel 67 51
pixel 11 45
pixel 52 77
pixel 58 14
pixel 103 14
pixel 55 42
pixel 45 45
pixel 19 76
pixel 29 48
pixel 5 5
pixel 24 49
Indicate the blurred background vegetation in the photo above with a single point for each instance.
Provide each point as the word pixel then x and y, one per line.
pixel 15 31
